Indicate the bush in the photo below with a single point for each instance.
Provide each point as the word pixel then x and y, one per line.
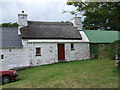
pixel 115 49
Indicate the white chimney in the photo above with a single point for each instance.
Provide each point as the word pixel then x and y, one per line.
pixel 77 22
pixel 22 21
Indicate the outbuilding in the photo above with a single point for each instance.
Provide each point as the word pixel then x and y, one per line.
pixel 100 41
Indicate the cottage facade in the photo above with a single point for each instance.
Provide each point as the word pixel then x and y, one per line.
pixel 39 43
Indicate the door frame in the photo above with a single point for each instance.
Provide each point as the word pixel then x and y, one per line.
pixel 61 57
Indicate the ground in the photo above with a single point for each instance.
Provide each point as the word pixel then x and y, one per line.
pixel 97 73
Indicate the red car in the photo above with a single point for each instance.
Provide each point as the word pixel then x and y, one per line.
pixel 7 76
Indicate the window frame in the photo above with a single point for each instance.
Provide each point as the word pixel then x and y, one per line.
pixel 2 56
pixel 72 46
pixel 38 51
pixel 101 45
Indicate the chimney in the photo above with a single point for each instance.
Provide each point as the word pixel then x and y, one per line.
pixel 22 21
pixel 77 22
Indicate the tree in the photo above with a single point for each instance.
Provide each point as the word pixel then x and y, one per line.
pixel 6 24
pixel 9 24
pixel 115 47
pixel 14 25
pixel 99 15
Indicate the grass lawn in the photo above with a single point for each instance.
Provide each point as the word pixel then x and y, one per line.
pixel 98 73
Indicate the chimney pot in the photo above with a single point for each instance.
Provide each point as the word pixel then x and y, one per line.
pixel 22 21
pixel 77 22
pixel 22 11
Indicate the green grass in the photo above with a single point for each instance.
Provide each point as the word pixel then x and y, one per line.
pixel 98 73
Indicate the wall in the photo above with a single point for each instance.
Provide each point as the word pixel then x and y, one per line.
pixel 81 51
pixel 26 56
pixel 13 57
pixel 49 52
pixel 100 50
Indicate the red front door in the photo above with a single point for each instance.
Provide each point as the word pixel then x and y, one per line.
pixel 61 52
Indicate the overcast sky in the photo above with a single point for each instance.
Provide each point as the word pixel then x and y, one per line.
pixel 37 10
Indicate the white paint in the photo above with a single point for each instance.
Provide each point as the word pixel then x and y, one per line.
pixel 22 21
pixel 84 37
pixel 57 41
pixel 77 22
pixel 49 52
pixel 81 51
pixel 84 40
pixel 26 56
pixel 13 58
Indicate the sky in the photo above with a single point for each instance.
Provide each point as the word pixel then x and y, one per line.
pixel 37 10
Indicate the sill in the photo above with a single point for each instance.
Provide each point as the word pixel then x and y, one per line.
pixel 72 49
pixel 38 55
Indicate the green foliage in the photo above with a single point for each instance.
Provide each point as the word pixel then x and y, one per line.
pixel 102 51
pixel 110 50
pixel 97 73
pixel 99 15
pixel 105 51
pixel 6 24
pixel 14 25
pixel 9 25
pixel 115 48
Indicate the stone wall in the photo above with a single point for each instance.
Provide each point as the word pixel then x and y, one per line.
pixel 26 56
pixel 13 57
pixel 80 52
pixel 49 52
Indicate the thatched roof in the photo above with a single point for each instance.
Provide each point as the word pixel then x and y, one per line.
pixel 49 30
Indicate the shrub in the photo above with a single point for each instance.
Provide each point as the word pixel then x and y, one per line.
pixel 115 49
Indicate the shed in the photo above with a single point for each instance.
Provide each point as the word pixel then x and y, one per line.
pixel 100 39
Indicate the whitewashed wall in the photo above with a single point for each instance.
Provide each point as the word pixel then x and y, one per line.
pixel 26 56
pixel 49 52
pixel 80 52
pixel 13 57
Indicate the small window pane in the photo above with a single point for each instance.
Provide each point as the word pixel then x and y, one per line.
pixel 38 51
pixel 72 46
pixel 2 56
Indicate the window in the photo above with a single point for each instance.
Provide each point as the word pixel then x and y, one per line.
pixel 2 56
pixel 9 50
pixel 38 51
pixel 101 45
pixel 72 46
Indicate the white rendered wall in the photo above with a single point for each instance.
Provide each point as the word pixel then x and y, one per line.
pixel 77 22
pixel 13 58
pixel 26 56
pixel 80 52
pixel 22 21
pixel 49 52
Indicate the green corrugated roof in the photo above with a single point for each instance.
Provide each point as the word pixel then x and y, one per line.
pixel 100 36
